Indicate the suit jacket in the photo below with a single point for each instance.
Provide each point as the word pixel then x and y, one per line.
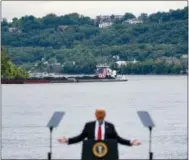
pixel 89 133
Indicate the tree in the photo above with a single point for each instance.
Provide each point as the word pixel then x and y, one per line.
pixel 112 17
pixel 50 19
pixel 8 69
pixel 143 17
pixel 4 22
pixel 128 16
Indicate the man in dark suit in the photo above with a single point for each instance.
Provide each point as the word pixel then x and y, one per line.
pixel 99 130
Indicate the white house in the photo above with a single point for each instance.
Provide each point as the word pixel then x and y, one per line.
pixel 134 61
pixel 116 57
pixel 184 56
pixel 105 24
pixel 106 18
pixel 46 62
pixel 118 16
pixel 14 30
pixel 124 63
pixel 121 63
pixel 133 21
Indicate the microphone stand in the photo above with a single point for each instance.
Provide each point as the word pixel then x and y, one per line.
pixel 150 141
pixel 50 145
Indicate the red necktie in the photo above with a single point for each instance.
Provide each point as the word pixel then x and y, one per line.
pixel 99 133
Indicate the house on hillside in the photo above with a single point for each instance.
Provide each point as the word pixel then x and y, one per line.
pixel 125 63
pixel 14 30
pixel 121 63
pixel 46 62
pixel 105 24
pixel 118 16
pixel 184 56
pixel 62 27
pixel 106 18
pixel 133 21
pixel 116 57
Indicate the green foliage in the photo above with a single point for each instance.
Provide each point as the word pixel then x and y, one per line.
pixel 172 15
pixel 150 67
pixel 81 44
pixel 128 16
pixel 143 17
pixel 8 69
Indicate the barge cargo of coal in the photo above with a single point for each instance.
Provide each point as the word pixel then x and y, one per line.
pixel 60 80
pixel 103 74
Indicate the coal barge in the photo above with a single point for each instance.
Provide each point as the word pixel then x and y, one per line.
pixel 103 74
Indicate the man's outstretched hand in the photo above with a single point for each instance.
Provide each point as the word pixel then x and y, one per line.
pixel 63 140
pixel 135 142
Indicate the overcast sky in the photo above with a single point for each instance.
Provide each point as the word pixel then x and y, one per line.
pixel 18 9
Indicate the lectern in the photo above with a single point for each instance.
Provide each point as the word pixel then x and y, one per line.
pixel 147 122
pixel 53 122
pixel 100 150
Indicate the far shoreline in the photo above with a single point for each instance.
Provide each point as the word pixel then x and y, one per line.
pixel 81 74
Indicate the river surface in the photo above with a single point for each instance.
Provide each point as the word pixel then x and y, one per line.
pixel 27 109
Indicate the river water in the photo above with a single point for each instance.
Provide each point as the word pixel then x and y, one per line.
pixel 27 109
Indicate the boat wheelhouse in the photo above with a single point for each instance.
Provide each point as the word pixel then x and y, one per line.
pixel 104 71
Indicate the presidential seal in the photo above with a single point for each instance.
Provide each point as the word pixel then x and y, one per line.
pixel 100 149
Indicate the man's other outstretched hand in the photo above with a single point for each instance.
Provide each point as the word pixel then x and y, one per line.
pixel 63 140
pixel 135 142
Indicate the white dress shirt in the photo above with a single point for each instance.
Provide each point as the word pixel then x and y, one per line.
pixel 102 129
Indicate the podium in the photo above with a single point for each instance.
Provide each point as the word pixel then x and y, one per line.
pixel 100 150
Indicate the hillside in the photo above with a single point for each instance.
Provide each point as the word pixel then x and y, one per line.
pixel 75 44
